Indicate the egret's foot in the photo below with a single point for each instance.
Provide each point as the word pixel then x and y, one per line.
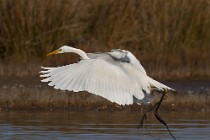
pixel 160 119
pixel 157 115
pixel 144 118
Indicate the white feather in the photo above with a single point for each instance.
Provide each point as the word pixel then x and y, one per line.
pixel 98 77
pixel 116 76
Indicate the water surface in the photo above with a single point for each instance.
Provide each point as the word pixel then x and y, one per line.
pixel 101 125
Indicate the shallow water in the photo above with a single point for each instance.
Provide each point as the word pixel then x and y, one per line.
pixel 101 126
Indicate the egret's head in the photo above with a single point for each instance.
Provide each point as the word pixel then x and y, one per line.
pixel 62 49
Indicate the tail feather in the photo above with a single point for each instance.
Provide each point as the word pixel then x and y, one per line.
pixel 155 84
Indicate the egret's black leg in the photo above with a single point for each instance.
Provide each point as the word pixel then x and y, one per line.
pixel 157 115
pixel 144 118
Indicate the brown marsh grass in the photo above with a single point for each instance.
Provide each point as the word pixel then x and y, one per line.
pixel 30 94
pixel 170 37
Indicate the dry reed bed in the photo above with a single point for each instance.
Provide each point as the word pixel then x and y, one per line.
pixel 30 94
pixel 171 38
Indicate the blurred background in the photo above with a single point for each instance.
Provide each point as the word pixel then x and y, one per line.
pixel 170 38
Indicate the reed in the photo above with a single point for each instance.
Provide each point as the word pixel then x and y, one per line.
pixel 28 99
pixel 171 38
pixel 30 94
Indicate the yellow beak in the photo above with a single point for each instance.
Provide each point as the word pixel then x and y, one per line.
pixel 53 52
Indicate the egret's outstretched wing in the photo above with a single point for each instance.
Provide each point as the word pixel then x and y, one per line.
pixel 117 83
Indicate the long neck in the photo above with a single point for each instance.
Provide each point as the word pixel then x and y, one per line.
pixel 78 51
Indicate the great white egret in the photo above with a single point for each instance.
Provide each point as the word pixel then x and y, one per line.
pixel 117 76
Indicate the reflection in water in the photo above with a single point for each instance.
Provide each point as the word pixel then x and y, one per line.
pixel 101 125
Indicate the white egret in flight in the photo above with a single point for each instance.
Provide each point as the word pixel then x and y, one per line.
pixel 116 75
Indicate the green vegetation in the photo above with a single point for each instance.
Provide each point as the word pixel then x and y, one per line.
pixel 170 37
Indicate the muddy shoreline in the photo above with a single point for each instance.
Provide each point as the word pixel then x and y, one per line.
pixel 29 94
